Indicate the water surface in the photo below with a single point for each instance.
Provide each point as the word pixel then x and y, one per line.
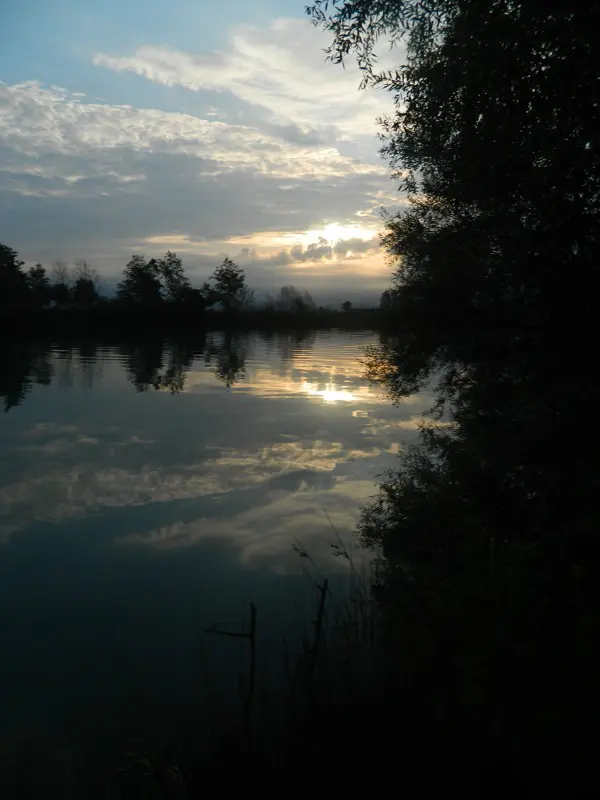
pixel 149 490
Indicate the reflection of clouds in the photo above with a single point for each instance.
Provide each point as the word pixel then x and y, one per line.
pixel 286 467
pixel 298 442
pixel 265 532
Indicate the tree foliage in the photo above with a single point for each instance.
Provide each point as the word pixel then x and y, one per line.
pixel 84 292
pixel 175 284
pixel 494 140
pixel 141 282
pixel 38 285
pixel 13 284
pixel 493 304
pixel 292 300
pixel 229 287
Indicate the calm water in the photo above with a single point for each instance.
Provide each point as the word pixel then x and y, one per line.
pixel 148 491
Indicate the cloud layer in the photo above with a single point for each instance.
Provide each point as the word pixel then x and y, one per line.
pixel 278 144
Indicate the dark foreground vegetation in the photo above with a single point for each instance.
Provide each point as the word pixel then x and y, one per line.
pixel 487 602
pixel 489 529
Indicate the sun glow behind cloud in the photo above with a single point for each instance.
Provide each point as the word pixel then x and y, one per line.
pixel 259 150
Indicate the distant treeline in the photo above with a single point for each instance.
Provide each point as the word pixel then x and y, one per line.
pixel 154 291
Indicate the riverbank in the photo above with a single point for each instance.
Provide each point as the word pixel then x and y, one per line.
pixel 174 319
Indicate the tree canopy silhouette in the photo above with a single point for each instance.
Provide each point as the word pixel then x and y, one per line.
pixel 291 300
pixel 494 140
pixel 489 525
pixel 13 284
pixel 141 282
pixel 230 287
pixel 175 283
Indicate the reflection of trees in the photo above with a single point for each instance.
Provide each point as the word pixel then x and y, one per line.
pixel 292 343
pixel 289 344
pixel 143 362
pixel 160 365
pixel 63 365
pixel 90 364
pixel 22 365
pixel 179 356
pixel 149 364
pixel 227 354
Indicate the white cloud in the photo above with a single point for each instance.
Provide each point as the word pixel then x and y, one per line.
pixel 35 120
pixel 281 69
pixel 279 144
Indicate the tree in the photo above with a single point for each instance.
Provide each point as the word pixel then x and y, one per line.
pixel 85 289
pixel 386 301
pixel 291 299
pixel 479 248
pixel 347 306
pixel 13 285
pixel 494 144
pixel 38 284
pixel 230 287
pixel 141 282
pixel 494 140
pixel 61 280
pixel 175 284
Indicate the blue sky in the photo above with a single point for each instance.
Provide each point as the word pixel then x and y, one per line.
pixel 207 128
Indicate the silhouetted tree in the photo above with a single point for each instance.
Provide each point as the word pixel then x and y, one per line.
pixel 85 288
pixel 346 306
pixel 176 286
pixel 38 284
pixel 386 302
pixel 479 296
pixel 141 282
pixel 494 140
pixel 230 287
pixel 13 283
pixel 61 280
pixel 480 249
pixel 290 299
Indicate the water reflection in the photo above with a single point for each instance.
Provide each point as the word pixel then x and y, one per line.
pixel 150 488
pixel 227 352
pixel 22 365
pixel 151 363
pixel 167 365
pixel 296 439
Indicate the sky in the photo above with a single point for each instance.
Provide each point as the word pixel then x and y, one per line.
pixel 206 128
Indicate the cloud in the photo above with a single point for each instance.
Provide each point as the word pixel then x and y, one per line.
pixel 284 144
pixel 280 69
pixel 37 120
pixel 99 180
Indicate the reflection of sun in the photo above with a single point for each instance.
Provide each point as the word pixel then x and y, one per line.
pixel 330 394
